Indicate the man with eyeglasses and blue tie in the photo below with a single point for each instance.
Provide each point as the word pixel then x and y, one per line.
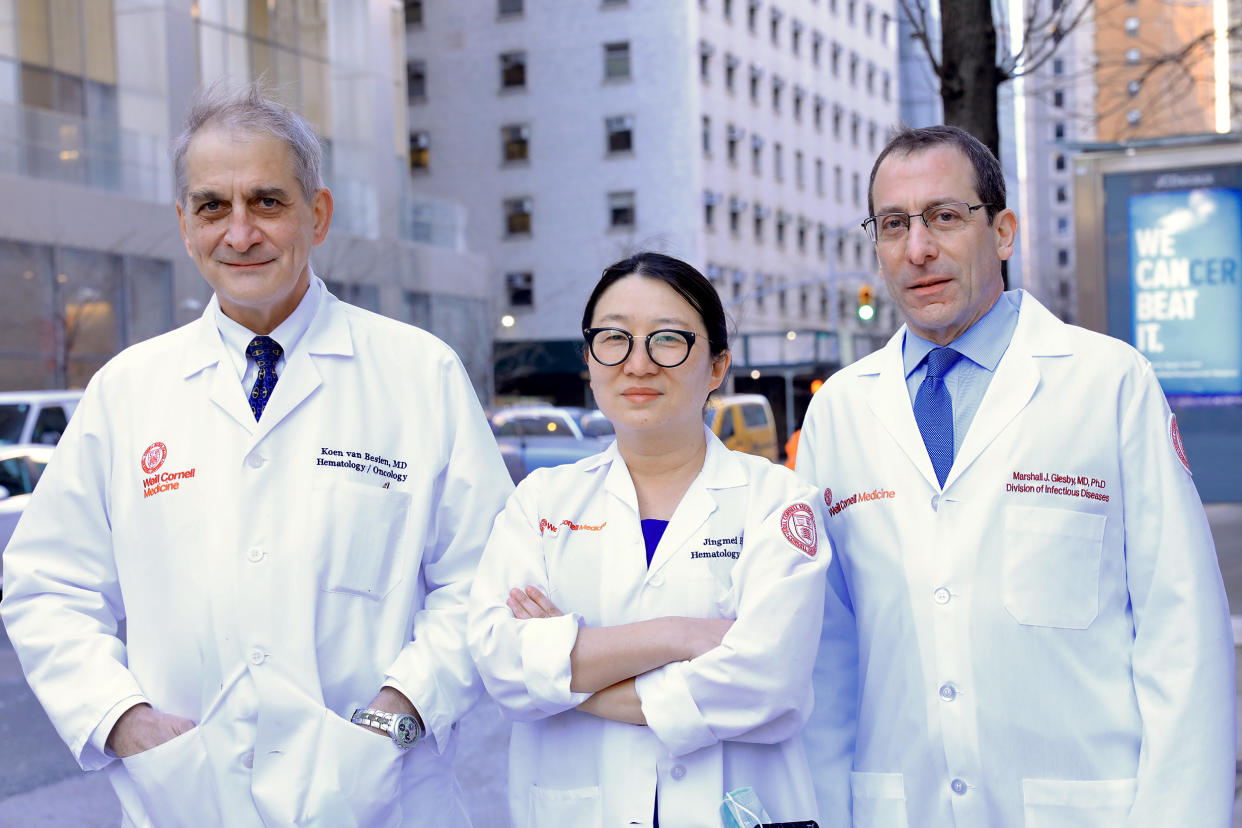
pixel 1026 624
pixel 286 501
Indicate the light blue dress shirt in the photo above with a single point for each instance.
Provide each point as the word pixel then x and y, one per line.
pixel 983 344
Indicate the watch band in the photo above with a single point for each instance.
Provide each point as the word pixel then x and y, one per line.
pixel 402 728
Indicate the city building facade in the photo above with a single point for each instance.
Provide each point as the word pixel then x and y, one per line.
pixel 735 134
pixel 91 92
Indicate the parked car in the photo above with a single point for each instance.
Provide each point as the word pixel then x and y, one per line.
pixel 20 469
pixel 534 436
pixel 35 416
pixel 552 420
pixel 743 422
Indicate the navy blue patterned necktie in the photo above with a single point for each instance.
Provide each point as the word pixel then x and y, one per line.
pixel 933 411
pixel 264 351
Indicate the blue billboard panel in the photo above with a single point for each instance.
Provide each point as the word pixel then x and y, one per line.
pixel 1185 256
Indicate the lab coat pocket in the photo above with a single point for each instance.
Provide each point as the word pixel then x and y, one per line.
pixel 879 799
pixel 1052 566
pixel 1075 803
pixel 579 807
pixel 356 778
pixel 357 530
pixel 175 783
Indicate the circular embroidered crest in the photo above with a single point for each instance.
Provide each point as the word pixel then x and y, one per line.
pixel 154 457
pixel 1175 434
pixel 798 524
pixel 828 498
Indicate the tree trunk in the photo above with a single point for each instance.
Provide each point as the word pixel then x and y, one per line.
pixel 969 76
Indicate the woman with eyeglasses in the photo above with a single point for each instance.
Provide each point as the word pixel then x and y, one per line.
pixel 649 616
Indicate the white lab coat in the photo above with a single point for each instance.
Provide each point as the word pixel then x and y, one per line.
pixel 727 719
pixel 269 594
pixel 1028 657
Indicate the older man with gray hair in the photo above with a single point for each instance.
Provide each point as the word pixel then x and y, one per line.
pixel 287 523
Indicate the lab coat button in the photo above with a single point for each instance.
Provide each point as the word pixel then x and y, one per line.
pixel 935 502
pixel 948 692
pixel 958 787
pixel 257 656
pixel 254 555
pixel 657 581
pixel 679 771
pixel 248 760
pixel 941 596
pixel 255 461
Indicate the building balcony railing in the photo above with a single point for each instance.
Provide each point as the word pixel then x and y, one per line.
pixel 55 146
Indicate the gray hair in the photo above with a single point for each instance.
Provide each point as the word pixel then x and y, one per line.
pixel 246 109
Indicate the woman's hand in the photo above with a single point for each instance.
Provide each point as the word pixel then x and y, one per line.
pixel 531 603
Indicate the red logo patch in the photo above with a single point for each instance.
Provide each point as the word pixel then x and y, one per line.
pixel 798 524
pixel 828 498
pixel 1175 434
pixel 154 457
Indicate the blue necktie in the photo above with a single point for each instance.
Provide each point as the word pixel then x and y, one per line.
pixel 264 351
pixel 933 411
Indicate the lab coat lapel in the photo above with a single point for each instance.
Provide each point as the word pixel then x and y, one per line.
pixel 720 470
pixel 890 403
pixel 1038 334
pixel 206 349
pixel 328 334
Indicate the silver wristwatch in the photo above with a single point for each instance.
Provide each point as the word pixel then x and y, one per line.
pixel 402 727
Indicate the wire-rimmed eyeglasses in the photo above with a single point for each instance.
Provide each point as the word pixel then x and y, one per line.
pixel 942 218
pixel 667 347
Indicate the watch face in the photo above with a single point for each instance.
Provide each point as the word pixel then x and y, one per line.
pixel 406 731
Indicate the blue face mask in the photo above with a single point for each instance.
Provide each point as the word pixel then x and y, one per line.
pixel 741 808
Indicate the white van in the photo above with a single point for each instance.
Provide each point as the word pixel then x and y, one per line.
pixel 35 416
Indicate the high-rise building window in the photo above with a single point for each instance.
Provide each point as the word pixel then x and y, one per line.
pixel 707 135
pixel 616 61
pixel 782 221
pixel 803 224
pixel 621 209
pixel 799 95
pixel 727 8
pixel 710 200
pixel 1058 162
pixel 817 112
pixel 798 170
pixel 705 61
pixel 1058 130
pixel 819 176
pixel 1133 56
pixel 836 59
pixel 821 240
pixel 778 162
pixel 756 154
pixel 416 80
pixel 1133 88
pixel 853 68
pixel 1063 257
pixel 778 84
pixel 761 213
pixel 1132 26
pixel 518 216
pixel 513 70
pixel 1063 226
pixel 795 36
pixel 817 47
pixel 837 183
pixel 509 8
pixel 1062 194
pixel 752 15
pixel 620 133
pixel 1133 117
pixel 733 135
pixel 420 151
pixel 731 64
pixel 1058 98
pixel 414 12
pixel 520 286
pixel 514 143
pixel 868 16
pixel 736 207
pixel 1058 66
pixel 857 188
pixel 756 75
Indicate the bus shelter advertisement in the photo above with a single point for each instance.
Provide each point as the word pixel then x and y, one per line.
pixel 1185 278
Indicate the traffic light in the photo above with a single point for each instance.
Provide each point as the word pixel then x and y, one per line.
pixel 866 303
